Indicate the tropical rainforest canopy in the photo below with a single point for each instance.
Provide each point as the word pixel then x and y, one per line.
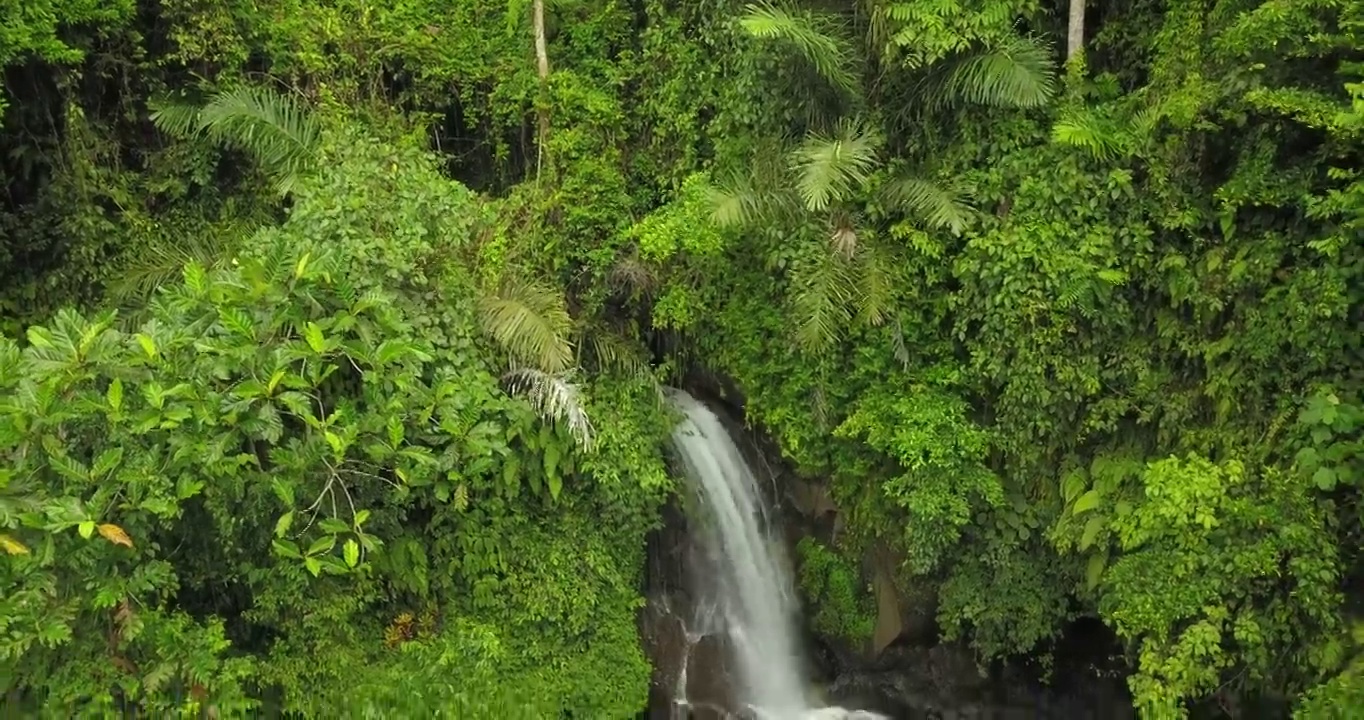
pixel 334 333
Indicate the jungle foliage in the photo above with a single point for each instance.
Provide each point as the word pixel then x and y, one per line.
pixel 331 336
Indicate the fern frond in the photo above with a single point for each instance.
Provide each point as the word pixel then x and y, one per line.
pixel 821 293
pixel 531 322
pixel 1016 74
pixel 939 206
pixel 812 36
pixel 829 167
pixel 555 397
pixel 280 134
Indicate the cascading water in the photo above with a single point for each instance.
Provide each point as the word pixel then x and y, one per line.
pixel 751 597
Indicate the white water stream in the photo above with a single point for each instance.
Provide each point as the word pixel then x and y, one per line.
pixel 754 603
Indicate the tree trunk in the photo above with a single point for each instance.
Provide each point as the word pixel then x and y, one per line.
pixel 542 63
pixel 1075 35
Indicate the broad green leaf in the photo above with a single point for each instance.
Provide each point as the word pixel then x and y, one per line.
pixel 321 545
pixel 332 525
pixel 1087 502
pixel 282 525
pixel 1094 569
pixel 286 548
pixel 196 277
pixel 69 468
pixel 556 484
pixel 361 517
pixel 313 334
pixel 352 553
pixel 86 529
pixel 551 456
pixel 1072 485
pixel 1091 531
pixel 238 322
pixel 302 265
pixel 148 345
pixel 115 394
pixel 1325 478
pixel 284 491
pixel 159 506
pixel 274 380
pixel 390 350
pixel 39 337
pixel 313 564
pixel 335 441
pixel 107 461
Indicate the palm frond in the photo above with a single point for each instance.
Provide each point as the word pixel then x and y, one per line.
pixel 813 36
pixel 279 133
pixel 1018 73
pixel 877 278
pixel 614 352
pixel 555 397
pixel 760 194
pixel 899 347
pixel 937 205
pixel 176 118
pixel 735 204
pixel 159 262
pixel 829 167
pixel 821 294
pixel 531 322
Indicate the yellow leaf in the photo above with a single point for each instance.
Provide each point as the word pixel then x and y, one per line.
pixel 148 345
pixel 12 546
pixel 115 535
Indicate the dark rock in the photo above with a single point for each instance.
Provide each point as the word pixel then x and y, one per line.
pixel 664 638
pixel 710 675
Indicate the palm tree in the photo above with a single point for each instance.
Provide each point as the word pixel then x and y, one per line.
pixel 276 131
pixel 831 172
pixel 279 133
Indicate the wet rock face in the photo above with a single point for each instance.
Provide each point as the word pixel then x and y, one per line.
pixel 710 676
pixel 687 662
pixel 699 669
pixel 901 673
pixel 942 683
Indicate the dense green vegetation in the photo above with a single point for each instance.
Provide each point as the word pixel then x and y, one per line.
pixel 333 335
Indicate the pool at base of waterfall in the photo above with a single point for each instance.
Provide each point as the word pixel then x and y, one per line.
pixel 685 712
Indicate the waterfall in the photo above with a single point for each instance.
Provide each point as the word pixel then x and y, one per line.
pixel 751 598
